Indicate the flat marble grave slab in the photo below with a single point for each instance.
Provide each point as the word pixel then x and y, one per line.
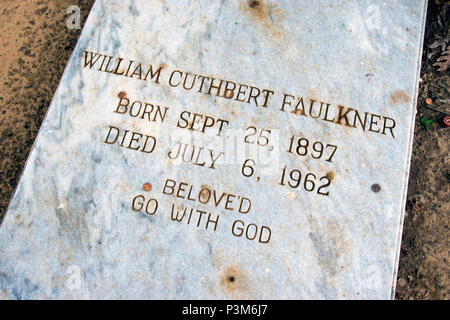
pixel 222 150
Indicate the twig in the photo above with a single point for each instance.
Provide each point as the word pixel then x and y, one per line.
pixel 438 86
pixel 431 108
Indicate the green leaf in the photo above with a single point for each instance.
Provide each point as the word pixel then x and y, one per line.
pixel 426 123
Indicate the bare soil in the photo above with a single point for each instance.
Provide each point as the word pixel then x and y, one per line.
pixel 424 269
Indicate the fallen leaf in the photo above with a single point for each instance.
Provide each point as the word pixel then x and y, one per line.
pixel 443 62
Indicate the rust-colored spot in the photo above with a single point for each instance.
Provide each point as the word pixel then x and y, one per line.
pixel 204 196
pixel 298 112
pixel 399 97
pixel 266 14
pixel 229 94
pixel 253 4
pixel 258 9
pixel 122 94
pixel 233 280
pixel 428 101
pixel 330 175
pixel 147 186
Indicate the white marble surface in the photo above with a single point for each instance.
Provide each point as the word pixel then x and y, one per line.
pixel 70 231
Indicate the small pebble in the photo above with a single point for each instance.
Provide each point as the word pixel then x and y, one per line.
pixel 445 121
pixel 401 282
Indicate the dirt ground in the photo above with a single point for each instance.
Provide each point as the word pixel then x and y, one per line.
pixel 424 269
pixel 35 47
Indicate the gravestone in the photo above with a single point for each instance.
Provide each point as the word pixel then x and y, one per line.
pixel 222 150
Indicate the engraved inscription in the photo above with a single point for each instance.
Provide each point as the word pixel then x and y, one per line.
pixel 207 133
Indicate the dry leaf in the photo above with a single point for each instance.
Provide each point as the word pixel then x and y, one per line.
pixel 437 43
pixel 443 62
pixel 442 42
